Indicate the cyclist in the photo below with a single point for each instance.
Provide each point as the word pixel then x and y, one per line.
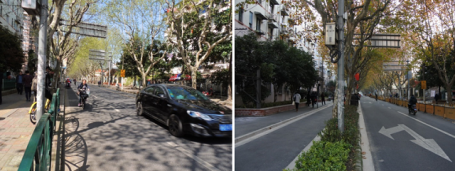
pixel 82 91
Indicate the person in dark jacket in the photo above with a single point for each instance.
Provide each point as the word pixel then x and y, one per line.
pixel 47 82
pixel 412 101
pixel 28 85
pixel 20 83
pixel 322 99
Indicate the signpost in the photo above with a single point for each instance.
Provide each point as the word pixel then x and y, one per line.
pixel 423 84
pixel 122 73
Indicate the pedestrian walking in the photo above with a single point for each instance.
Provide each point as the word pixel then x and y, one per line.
pixel 296 99
pixel 19 83
pixel 322 99
pixel 376 95
pixel 34 85
pixel 308 100
pixel 313 98
pixel 74 81
pixel 28 85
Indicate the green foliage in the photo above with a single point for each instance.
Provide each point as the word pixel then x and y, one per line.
pixel 221 77
pixel 351 128
pixel 278 64
pixel 324 155
pixel 11 56
pixel 334 151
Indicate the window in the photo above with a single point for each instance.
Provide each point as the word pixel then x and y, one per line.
pixel 158 91
pixel 251 19
pixel 150 90
pixel 241 14
pixel 258 24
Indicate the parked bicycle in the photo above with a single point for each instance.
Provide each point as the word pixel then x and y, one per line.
pixel 32 111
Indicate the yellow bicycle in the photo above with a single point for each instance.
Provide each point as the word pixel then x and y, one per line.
pixel 32 110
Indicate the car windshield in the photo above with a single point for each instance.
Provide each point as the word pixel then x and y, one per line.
pixel 183 93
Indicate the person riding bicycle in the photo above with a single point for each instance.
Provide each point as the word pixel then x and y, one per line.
pixel 81 91
pixel 412 101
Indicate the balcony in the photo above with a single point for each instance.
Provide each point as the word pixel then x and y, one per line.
pixel 272 24
pixel 272 2
pixel 272 17
pixel 259 32
pixel 284 10
pixel 260 15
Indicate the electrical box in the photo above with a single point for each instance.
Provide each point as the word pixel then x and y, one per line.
pixel 330 34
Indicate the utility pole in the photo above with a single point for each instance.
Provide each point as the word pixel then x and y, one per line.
pixel 340 90
pixel 258 88
pixel 42 51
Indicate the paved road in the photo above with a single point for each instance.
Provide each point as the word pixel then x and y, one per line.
pixel 275 150
pixel 410 135
pixel 108 135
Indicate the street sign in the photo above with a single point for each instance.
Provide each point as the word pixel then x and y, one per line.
pixel 428 144
pixel 330 34
pixel 382 40
pixel 87 29
pixel 122 73
pixel 423 84
pixel 394 66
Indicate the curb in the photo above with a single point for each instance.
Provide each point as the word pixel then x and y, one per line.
pixel 367 159
pixel 8 92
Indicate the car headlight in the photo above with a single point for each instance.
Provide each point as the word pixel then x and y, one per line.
pixel 195 114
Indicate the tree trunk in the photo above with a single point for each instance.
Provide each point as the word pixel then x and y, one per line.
pixel 193 77
pixel 229 93
pixel 449 93
pixel 144 80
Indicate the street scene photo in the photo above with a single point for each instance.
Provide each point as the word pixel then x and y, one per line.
pixel 344 85
pixel 116 85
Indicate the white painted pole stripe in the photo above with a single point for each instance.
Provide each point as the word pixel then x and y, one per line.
pixel 437 129
pixel 268 129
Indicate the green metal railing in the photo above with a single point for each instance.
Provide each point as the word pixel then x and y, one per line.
pixel 8 84
pixel 37 156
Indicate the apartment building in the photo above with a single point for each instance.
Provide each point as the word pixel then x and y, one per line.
pixel 268 19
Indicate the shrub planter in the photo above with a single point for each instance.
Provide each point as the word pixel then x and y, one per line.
pixel 265 111
pixel 439 110
pixel 449 112
pixel 429 108
pixel 405 103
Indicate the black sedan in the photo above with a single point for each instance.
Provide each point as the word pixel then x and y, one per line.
pixel 184 110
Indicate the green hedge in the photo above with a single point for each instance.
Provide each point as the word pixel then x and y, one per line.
pixel 334 151
pixel 324 156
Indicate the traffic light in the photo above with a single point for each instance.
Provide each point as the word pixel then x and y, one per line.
pixel 122 73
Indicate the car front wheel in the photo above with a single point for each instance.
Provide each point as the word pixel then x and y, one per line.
pixel 175 126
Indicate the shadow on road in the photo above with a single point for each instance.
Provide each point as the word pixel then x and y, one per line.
pixel 100 138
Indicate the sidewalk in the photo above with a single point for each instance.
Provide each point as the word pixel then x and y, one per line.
pixel 245 125
pixel 15 130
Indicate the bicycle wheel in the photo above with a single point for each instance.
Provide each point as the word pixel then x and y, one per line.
pixel 33 113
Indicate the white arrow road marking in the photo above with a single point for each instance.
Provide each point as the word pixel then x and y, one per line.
pixel 429 144
pixel 390 131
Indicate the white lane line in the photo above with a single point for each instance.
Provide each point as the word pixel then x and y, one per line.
pixel 191 155
pixel 389 108
pixel 437 129
pixel 367 160
pixel 268 129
